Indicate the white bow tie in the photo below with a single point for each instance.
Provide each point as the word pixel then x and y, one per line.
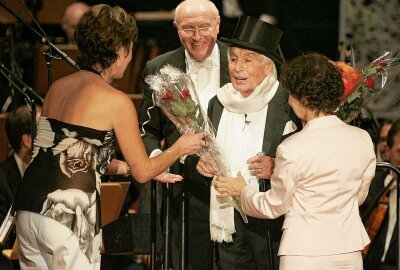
pixel 207 64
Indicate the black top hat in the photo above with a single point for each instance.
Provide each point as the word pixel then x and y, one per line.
pixel 258 36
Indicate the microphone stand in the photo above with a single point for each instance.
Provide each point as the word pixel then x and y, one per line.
pixel 153 224
pixel 24 91
pixel 44 40
pixel 263 187
pixel 10 76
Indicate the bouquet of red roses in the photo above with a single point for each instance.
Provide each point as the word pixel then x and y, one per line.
pixel 174 93
pixel 361 87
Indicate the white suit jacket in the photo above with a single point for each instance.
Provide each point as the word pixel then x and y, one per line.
pixel 322 174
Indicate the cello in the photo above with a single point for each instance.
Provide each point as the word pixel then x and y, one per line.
pixel 375 214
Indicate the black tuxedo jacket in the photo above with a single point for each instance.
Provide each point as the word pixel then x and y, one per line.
pixel 9 179
pixel 156 127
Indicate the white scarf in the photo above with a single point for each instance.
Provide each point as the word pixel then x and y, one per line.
pixel 222 224
pixel 233 101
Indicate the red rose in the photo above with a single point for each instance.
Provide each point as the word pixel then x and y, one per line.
pixel 369 82
pixel 168 96
pixel 380 65
pixel 185 94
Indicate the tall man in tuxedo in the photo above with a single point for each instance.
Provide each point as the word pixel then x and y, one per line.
pixel 18 129
pixel 205 59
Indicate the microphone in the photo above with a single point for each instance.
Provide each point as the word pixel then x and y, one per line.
pixel 62 54
pixel 43 37
pixel 246 121
pixel 25 88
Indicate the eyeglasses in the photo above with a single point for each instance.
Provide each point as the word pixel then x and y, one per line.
pixel 191 31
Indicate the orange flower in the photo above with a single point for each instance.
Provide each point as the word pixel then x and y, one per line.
pixel 360 88
pixel 351 78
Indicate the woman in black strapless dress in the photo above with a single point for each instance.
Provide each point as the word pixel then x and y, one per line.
pixel 83 116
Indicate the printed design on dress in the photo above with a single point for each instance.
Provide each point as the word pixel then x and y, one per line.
pixel 73 207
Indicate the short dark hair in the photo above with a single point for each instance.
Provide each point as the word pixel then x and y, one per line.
pixel 18 123
pixel 393 131
pixel 101 32
pixel 314 80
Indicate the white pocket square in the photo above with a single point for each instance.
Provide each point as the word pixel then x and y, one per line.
pixel 289 127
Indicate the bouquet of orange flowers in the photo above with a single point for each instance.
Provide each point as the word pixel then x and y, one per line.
pixel 174 93
pixel 361 87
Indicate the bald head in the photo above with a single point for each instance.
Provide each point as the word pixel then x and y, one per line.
pixel 71 18
pixel 195 8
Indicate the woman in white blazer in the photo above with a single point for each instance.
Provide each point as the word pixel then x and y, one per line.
pixel 321 176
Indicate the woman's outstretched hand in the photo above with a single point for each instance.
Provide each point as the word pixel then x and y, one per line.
pixel 190 143
pixel 166 177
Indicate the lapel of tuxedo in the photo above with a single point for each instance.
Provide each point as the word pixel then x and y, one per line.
pixel 277 116
pixel 177 59
pixel 215 112
pixel 223 64
pixel 14 176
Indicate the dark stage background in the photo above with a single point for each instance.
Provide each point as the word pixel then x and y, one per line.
pixel 310 25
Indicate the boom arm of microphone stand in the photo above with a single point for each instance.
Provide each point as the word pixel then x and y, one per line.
pixel 10 76
pixel 43 39
pixel 30 101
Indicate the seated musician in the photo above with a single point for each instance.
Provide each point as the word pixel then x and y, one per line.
pixel 382 253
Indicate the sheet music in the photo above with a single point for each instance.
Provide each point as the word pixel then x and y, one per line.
pixel 6 226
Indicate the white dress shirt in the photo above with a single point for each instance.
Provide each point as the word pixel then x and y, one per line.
pixel 209 88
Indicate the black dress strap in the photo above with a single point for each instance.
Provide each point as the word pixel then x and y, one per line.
pixel 90 69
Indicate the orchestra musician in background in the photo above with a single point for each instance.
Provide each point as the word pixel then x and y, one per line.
pixel 383 224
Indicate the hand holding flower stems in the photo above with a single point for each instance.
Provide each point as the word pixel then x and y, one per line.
pixel 361 87
pixel 230 186
pixel 190 145
pixel 174 93
pixel 207 168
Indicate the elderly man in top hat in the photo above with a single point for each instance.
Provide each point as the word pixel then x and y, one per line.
pixel 251 116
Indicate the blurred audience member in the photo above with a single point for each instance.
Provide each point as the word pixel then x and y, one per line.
pixel 382 150
pixel 18 129
pixel 71 18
